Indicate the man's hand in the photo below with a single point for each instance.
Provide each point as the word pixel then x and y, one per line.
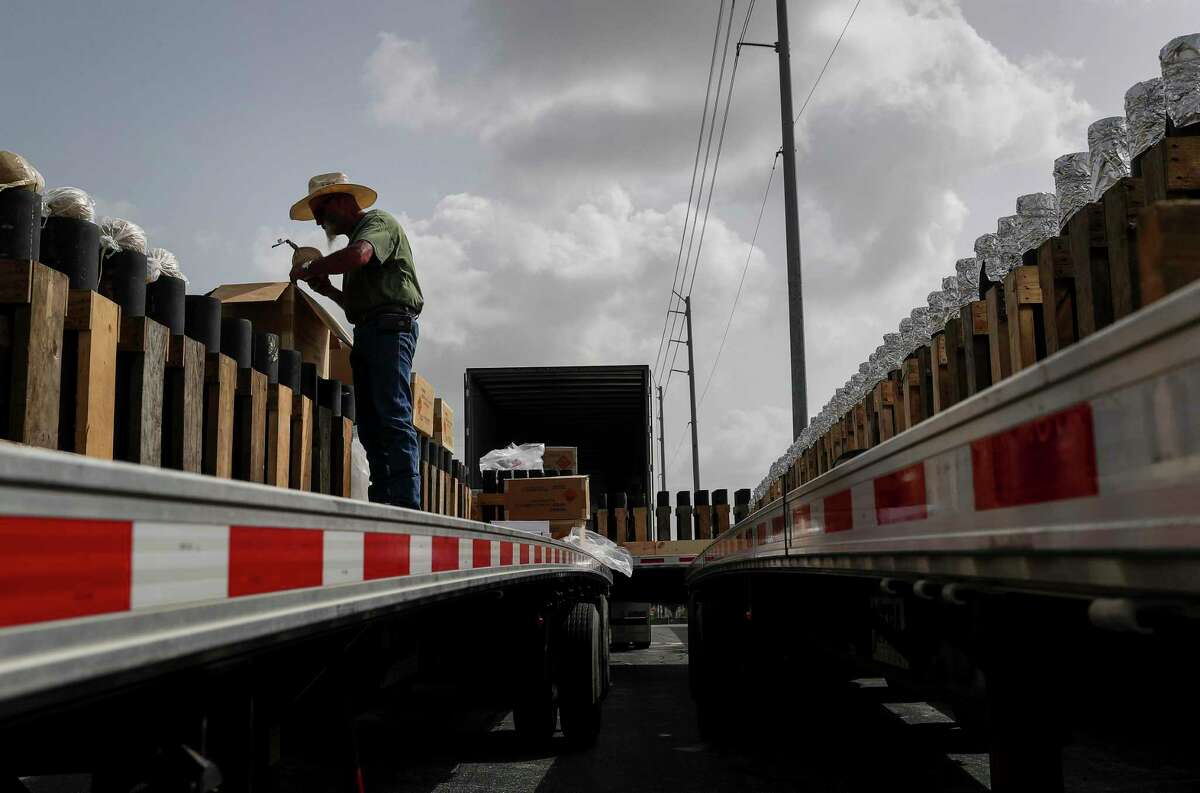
pixel 301 273
pixel 321 284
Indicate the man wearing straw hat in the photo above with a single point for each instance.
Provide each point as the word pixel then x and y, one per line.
pixel 382 299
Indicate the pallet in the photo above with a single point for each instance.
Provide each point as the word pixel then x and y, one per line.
pixel 141 371
pixel 999 355
pixel 1122 204
pixel 1168 247
pixel 220 385
pixel 341 437
pixel 977 367
pixel 1026 322
pixel 300 442
pixel 1088 245
pixel 33 309
pixel 1056 278
pixel 280 400
pixel 250 426
pixel 88 395
pixel 183 406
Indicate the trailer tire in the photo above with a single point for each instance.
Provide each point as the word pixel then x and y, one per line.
pixel 580 679
pixel 605 645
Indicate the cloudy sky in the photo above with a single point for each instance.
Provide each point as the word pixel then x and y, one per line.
pixel 539 154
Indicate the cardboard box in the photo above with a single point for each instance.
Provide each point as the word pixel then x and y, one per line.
pixel 561 458
pixel 422 395
pixel 443 424
pixel 553 498
pixel 301 322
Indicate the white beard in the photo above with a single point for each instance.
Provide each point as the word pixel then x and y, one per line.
pixel 330 235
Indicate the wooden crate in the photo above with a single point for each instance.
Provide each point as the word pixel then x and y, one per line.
pixel 1122 204
pixel 976 346
pixel 641 517
pixel 662 522
pixel 999 355
pixel 704 525
pixel 1026 325
pixel 956 361
pixel 280 400
pixel 918 402
pixel 1168 247
pixel 1056 279
pixel 1088 245
pixel 721 518
pixel 322 450
pixel 341 436
pixel 1171 169
pixel 884 399
pixel 33 309
pixel 220 386
pixel 87 406
pixel 301 443
pixel 183 405
pixel 443 424
pixel 683 522
pixel 250 426
pixel 942 388
pixel 422 398
pixel 141 371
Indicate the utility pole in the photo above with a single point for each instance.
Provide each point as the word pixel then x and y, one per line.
pixel 691 373
pixel 662 443
pixel 791 216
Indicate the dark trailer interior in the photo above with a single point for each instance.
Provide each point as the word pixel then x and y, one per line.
pixel 602 410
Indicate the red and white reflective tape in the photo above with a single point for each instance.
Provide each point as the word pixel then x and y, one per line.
pixel 653 561
pixel 58 568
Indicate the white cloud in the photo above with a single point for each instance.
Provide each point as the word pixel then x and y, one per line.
pixel 402 78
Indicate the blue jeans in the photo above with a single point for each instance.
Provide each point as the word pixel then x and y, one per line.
pixel 382 364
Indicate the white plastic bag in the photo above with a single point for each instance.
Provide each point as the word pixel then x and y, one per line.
pixel 607 551
pixel 68 202
pixel 360 476
pixel 526 457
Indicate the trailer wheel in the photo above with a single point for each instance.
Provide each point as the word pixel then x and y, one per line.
pixel 535 713
pixel 580 680
pixel 605 645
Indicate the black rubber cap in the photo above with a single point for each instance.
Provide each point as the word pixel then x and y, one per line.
pixel 663 498
pixel 601 501
pixel 348 407
pixel 683 498
pixel 72 247
pixel 520 473
pixel 330 395
pixel 265 355
pixel 20 217
pixel 489 481
pixel 742 497
pixel 237 337
pixel 619 500
pixel 123 281
pixel 308 380
pixel 289 369
pixel 702 498
pixel 720 498
pixel 165 303
pixel 202 321
pixel 550 472
pixel 638 499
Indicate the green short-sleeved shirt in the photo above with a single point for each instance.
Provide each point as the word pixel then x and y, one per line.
pixel 389 280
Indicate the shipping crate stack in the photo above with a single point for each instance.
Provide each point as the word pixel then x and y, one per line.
pixel 1121 230
pixel 444 486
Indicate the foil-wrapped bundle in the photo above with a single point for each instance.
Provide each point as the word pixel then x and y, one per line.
pixel 908 339
pixel 933 305
pixel 920 321
pixel 1108 153
pixel 893 351
pixel 879 363
pixel 1145 115
pixel 987 252
pixel 1072 184
pixel 1008 232
pixel 1037 219
pixel 840 401
pixel 949 299
pixel 1180 60
pixel 968 280
pixel 866 375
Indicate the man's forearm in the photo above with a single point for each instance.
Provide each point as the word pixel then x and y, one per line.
pixel 335 294
pixel 340 262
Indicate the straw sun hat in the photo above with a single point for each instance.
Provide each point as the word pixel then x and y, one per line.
pixel 325 183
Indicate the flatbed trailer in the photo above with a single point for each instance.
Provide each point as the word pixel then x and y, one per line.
pixel 1027 554
pixel 143 611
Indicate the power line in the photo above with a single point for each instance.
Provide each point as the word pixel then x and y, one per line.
pixel 737 296
pixel 691 190
pixel 703 176
pixel 827 60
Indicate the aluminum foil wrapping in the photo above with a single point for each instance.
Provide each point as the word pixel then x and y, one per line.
pixel 1037 219
pixel 987 252
pixel 908 339
pixel 879 363
pixel 892 350
pixel 1145 115
pixel 949 299
pixel 920 320
pixel 1180 60
pixel 968 280
pixel 1108 153
pixel 1072 184
pixel 1008 231
pixel 933 305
